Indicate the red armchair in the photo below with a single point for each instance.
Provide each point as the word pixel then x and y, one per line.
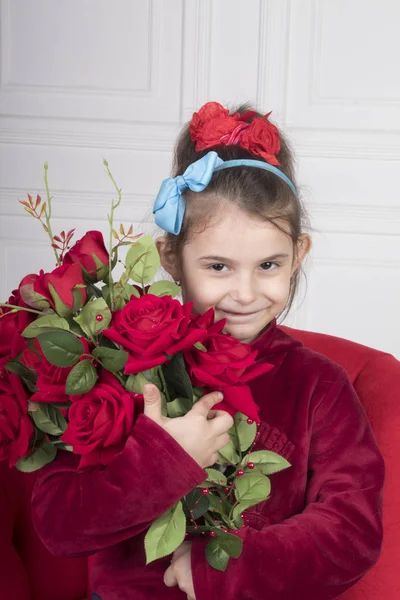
pixel 29 572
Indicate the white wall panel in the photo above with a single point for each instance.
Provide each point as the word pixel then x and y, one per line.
pixel 80 81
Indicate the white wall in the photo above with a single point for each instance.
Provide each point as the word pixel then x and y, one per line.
pixel 85 79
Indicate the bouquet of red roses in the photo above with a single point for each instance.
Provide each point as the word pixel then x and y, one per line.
pixel 76 347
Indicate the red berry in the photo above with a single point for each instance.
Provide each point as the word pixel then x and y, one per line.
pixel 250 421
pixel 205 491
pixel 240 473
pixel 99 317
pixel 227 490
pixel 212 534
pixel 250 465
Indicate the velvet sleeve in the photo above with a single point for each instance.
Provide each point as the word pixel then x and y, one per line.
pixel 80 512
pixel 320 553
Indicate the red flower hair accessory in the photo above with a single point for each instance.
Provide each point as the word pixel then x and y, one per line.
pixel 212 126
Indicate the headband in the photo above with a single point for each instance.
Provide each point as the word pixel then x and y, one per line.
pixel 169 207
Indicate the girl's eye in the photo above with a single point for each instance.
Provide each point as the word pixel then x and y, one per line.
pixel 217 267
pixel 268 266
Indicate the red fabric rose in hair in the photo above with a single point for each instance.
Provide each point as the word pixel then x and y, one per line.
pixel 262 138
pixel 227 366
pixel 12 325
pixel 63 280
pixel 151 328
pixel 212 125
pixel 101 421
pixel 86 252
pixel 16 427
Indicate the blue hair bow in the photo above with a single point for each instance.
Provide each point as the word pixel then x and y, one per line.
pixel 169 207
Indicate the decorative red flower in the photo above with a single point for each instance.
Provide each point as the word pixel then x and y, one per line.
pixel 101 421
pixel 151 328
pixel 11 326
pixel 16 427
pixel 90 252
pixel 262 138
pixel 212 125
pixel 63 280
pixel 227 366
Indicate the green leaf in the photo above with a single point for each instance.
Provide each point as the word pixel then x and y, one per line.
pixel 26 374
pixel 179 407
pixel 252 487
pixel 164 288
pixel 49 419
pixel 112 360
pixel 229 455
pixel 214 477
pixel 37 459
pixel 32 298
pixel 220 548
pixel 216 556
pixel 87 317
pixel 81 379
pixel 62 446
pixel 229 542
pixel 45 323
pixel 268 462
pixel 217 506
pixel 200 347
pixel 177 378
pixel 196 502
pixel 242 434
pixel 135 383
pixel 101 268
pixel 143 260
pixel 61 348
pixel 238 509
pixel 165 534
pixel 61 309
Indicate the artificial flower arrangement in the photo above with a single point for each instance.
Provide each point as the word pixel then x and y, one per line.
pixel 76 348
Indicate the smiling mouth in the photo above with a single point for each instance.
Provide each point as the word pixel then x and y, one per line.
pixel 236 314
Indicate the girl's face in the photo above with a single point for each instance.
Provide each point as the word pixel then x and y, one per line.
pixel 241 266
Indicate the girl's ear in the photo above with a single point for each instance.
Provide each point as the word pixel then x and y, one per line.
pixel 168 258
pixel 302 249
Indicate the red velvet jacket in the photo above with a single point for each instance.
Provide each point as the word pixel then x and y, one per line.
pixel 317 534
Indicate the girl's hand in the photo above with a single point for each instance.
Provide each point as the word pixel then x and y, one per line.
pixel 201 432
pixel 180 571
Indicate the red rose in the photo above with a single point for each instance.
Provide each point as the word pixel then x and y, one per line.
pixel 16 427
pixel 61 282
pixel 51 380
pixel 151 328
pixel 90 252
pixel 101 421
pixel 11 326
pixel 261 138
pixel 28 294
pixel 226 366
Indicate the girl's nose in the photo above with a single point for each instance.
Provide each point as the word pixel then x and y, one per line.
pixel 244 290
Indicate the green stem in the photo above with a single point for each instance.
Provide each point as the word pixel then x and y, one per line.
pixel 110 221
pixel 209 520
pixel 47 213
pixel 37 312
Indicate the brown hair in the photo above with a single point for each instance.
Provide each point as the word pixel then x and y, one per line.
pixel 256 191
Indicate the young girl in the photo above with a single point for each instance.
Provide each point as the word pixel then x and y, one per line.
pixel 235 242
